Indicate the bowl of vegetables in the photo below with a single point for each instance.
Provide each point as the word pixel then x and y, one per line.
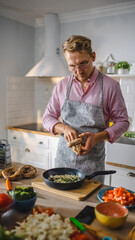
pixel 6 203
pixel 111 214
pixel 24 197
pixel 120 195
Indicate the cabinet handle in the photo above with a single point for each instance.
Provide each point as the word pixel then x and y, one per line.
pixel 27 150
pixel 40 142
pixel 131 174
pixel 14 137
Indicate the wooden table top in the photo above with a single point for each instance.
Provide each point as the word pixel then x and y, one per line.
pixel 70 207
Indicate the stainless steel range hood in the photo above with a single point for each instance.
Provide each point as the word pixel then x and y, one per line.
pixel 51 65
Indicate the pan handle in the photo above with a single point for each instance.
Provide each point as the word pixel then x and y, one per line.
pixel 100 173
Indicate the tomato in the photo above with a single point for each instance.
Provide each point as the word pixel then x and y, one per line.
pixel 49 211
pixel 39 209
pixel 80 236
pixel 5 200
pixel 120 195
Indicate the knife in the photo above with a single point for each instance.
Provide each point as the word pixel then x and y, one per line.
pixel 82 228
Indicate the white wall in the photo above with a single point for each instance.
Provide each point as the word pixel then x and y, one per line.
pixel 114 34
pixel 110 34
pixel 16 58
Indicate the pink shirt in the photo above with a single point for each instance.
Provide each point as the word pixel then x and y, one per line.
pixel 113 103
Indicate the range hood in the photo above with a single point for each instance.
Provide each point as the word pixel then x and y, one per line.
pixel 51 65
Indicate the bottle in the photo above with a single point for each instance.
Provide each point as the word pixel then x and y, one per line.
pixel 132 68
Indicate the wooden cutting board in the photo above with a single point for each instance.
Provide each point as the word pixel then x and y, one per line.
pixel 79 194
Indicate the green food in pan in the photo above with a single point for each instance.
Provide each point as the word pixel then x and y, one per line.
pixel 66 178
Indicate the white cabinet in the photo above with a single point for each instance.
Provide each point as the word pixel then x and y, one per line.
pixel 121 153
pixel 120 156
pixel 35 149
pixel 122 178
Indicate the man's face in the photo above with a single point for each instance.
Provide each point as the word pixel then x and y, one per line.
pixel 80 63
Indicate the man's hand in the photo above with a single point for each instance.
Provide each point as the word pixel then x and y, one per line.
pixel 90 142
pixel 92 139
pixel 69 132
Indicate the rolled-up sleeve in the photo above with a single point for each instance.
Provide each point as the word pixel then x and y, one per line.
pixel 118 114
pixel 52 112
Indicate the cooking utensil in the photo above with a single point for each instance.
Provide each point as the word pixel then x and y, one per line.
pixel 63 171
pixel 81 227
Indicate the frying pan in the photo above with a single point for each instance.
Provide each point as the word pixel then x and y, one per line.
pixel 63 171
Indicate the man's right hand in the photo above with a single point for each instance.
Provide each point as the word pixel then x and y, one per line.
pixel 69 132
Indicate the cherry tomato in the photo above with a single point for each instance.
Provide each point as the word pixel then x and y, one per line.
pixel 5 200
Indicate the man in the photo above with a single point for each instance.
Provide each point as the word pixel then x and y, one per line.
pixel 86 101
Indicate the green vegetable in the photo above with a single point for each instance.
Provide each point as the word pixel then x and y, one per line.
pixel 22 193
pixel 129 134
pixel 66 178
pixel 7 235
pixel 122 65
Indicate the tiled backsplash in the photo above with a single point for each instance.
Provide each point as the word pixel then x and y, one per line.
pixel 28 98
pixel 20 100
pixel 43 92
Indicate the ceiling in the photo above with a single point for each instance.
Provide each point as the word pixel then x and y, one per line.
pixel 39 8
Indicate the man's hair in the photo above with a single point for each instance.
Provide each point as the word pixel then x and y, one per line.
pixel 76 43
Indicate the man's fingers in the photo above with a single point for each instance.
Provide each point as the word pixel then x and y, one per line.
pixel 86 134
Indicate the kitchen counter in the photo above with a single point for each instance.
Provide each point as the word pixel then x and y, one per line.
pixel 70 207
pixel 32 128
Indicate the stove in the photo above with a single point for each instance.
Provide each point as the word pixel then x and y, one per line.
pixel 32 126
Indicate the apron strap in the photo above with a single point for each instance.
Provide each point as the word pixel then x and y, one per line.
pixel 100 84
pixel 101 89
pixel 69 87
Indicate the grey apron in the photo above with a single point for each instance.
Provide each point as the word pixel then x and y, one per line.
pixel 83 117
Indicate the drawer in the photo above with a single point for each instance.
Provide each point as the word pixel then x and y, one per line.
pixel 30 156
pixel 120 153
pixel 122 178
pixel 31 139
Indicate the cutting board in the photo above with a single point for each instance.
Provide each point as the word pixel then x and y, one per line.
pixel 87 187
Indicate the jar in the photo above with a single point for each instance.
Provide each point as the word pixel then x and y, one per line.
pixel 110 64
pixel 132 68
pixel 121 71
pixel 110 67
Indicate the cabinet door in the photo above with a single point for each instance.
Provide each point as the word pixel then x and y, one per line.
pixel 107 180
pixel 122 178
pixel 30 139
pixel 29 155
pixel 53 143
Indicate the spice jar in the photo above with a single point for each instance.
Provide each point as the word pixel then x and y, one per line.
pixel 132 68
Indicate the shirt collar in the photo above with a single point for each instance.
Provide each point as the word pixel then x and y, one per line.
pixel 92 78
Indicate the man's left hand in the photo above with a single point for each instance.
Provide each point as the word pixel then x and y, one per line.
pixel 90 142
pixel 92 139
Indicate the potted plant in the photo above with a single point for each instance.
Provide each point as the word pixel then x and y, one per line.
pixel 122 67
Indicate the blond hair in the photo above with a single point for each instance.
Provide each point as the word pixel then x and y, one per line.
pixel 77 43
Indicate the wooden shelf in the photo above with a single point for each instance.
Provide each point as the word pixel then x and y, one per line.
pixel 121 75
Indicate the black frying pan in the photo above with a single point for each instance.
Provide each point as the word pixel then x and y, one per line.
pixel 66 186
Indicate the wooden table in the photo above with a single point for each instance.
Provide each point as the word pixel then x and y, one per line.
pixel 70 208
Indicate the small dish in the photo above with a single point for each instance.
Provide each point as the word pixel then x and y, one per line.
pixel 101 193
pixel 111 214
pixel 25 205
pixel 24 197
